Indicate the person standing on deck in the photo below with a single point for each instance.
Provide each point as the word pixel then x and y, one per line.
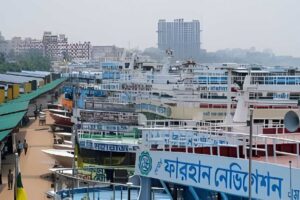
pixel 25 145
pixel 10 178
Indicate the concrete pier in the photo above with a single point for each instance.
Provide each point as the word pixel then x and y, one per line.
pixel 34 164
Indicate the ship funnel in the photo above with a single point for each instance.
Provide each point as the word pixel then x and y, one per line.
pixel 291 121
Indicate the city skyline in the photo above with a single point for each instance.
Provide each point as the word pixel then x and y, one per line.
pixel 269 24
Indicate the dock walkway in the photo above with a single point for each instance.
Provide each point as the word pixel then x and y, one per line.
pixel 34 164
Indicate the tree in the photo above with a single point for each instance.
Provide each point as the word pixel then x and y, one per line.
pixel 2 58
pixel 31 60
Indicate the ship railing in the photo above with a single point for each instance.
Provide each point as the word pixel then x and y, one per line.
pixel 88 126
pixel 116 136
pixel 108 105
pixel 275 80
pixel 164 139
pixel 67 182
pixel 186 124
pixel 271 129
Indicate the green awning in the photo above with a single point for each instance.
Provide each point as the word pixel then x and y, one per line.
pixel 9 107
pixel 39 91
pixel 10 121
pixel 3 134
pixel 21 103
pixel 12 112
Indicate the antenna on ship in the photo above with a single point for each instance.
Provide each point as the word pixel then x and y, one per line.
pixel 169 53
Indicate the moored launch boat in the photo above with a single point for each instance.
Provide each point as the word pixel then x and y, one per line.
pixel 60 112
pixel 61 119
pixel 63 157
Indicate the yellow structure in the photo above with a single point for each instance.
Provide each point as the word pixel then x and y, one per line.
pixel 27 87
pixel 16 91
pixel 2 95
pixel 10 92
pixel 41 83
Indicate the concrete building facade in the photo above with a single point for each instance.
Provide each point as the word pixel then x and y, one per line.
pixel 58 48
pixel 103 53
pixel 79 51
pixel 183 38
pixel 55 46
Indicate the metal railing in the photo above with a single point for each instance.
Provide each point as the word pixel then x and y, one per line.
pixel 188 140
pixel 69 182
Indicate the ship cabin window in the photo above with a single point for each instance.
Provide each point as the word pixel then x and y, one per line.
pixel 294 96
pixel 175 123
pixel 111 133
pixel 258 121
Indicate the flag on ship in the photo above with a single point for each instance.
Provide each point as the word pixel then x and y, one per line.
pixel 77 152
pixel 21 193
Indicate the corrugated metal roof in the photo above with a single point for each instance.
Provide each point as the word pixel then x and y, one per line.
pixel 12 112
pixel 10 121
pixel 36 74
pixel 12 107
pixel 45 73
pixel 39 91
pixel 8 78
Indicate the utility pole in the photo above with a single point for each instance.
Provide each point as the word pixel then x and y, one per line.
pixel 16 174
pixel 291 190
pixel 250 153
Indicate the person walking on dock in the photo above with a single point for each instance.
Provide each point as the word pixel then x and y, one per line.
pixel 19 147
pixel 36 112
pixel 25 145
pixel 10 178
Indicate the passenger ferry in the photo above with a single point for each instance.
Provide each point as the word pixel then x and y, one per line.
pixel 188 131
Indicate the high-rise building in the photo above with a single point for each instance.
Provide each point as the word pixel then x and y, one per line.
pixel 183 38
pixel 79 51
pixel 20 46
pixel 56 46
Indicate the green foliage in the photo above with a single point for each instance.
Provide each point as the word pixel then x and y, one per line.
pixel 32 60
pixel 2 58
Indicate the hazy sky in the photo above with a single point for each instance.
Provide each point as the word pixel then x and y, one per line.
pixel 265 24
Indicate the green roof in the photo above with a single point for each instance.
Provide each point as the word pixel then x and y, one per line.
pixel 21 103
pixel 12 112
pixel 12 107
pixel 10 121
pixel 39 91
pixel 3 134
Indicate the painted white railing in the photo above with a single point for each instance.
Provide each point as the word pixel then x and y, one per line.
pixel 166 138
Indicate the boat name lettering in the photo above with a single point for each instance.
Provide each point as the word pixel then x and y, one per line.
pixel 107 147
pixel 185 171
pixel 232 178
pixel 295 194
